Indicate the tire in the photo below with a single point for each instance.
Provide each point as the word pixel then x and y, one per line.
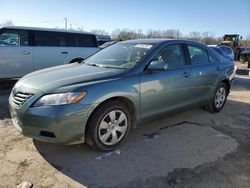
pixel 219 98
pixel 104 131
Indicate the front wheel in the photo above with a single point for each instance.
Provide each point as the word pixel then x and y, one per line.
pixel 108 126
pixel 219 98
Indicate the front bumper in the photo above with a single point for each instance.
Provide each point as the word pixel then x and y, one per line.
pixel 64 124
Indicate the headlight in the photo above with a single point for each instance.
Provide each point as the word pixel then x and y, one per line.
pixel 60 98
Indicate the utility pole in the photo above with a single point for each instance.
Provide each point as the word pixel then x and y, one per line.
pixel 66 22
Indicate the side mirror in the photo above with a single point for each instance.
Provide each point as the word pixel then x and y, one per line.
pixel 157 66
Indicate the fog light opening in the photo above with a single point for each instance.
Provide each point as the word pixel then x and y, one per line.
pixel 47 134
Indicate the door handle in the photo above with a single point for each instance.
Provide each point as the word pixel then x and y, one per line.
pixel 186 73
pixel 64 52
pixel 25 53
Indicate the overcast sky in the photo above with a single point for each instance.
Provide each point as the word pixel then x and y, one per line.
pixel 218 16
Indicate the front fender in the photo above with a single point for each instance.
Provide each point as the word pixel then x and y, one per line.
pixel 126 87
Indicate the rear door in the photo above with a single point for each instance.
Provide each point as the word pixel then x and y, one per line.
pixel 204 74
pixel 49 49
pixel 15 53
pixel 167 90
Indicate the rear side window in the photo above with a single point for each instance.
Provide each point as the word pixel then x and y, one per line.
pixel 14 38
pixel 212 56
pixel 172 54
pixel 43 38
pixel 81 40
pixel 198 55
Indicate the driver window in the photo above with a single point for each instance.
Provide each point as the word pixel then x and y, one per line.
pixel 172 54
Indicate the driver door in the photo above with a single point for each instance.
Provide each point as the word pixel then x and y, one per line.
pixel 163 91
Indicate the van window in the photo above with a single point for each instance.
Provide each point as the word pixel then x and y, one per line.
pixel 81 40
pixel 198 55
pixel 43 38
pixel 14 38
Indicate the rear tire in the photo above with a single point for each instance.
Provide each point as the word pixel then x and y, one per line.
pixel 219 98
pixel 108 126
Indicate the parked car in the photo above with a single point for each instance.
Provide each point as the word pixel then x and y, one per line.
pixel 25 49
pixel 228 50
pixel 220 51
pixel 101 99
pixel 106 44
pixel 101 39
pixel 245 55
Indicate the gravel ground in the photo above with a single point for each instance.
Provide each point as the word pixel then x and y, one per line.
pixel 191 149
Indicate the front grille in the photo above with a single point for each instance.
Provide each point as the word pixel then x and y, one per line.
pixel 20 98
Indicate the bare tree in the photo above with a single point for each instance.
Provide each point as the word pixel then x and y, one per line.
pixel 124 34
pixel 6 23
pixel 195 36
pixel 154 34
pixel 247 39
pixel 99 31
pixel 171 33
pixel 209 38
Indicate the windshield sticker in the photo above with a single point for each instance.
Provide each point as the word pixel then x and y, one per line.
pixel 143 46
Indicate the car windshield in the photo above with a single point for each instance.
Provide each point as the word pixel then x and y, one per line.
pixel 120 55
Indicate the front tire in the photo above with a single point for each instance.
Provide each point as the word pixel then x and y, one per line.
pixel 108 126
pixel 219 98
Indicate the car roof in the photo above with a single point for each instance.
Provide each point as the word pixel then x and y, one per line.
pixel 212 45
pixel 223 46
pixel 44 29
pixel 160 40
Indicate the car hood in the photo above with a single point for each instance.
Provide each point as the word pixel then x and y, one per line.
pixel 48 79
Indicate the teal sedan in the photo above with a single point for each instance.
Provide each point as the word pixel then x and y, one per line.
pixel 100 99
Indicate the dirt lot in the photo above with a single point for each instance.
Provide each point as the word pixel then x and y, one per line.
pixel 191 149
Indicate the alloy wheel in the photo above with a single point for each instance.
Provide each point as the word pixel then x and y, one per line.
pixel 113 127
pixel 220 97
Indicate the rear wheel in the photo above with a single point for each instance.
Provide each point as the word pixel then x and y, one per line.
pixel 219 98
pixel 108 126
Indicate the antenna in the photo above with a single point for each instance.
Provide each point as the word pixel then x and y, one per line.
pixel 66 22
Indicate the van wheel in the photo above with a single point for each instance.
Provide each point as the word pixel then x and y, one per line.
pixel 108 126
pixel 219 98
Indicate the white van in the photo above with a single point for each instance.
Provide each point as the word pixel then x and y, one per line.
pixel 25 49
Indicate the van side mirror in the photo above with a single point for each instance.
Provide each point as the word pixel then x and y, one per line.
pixel 157 66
